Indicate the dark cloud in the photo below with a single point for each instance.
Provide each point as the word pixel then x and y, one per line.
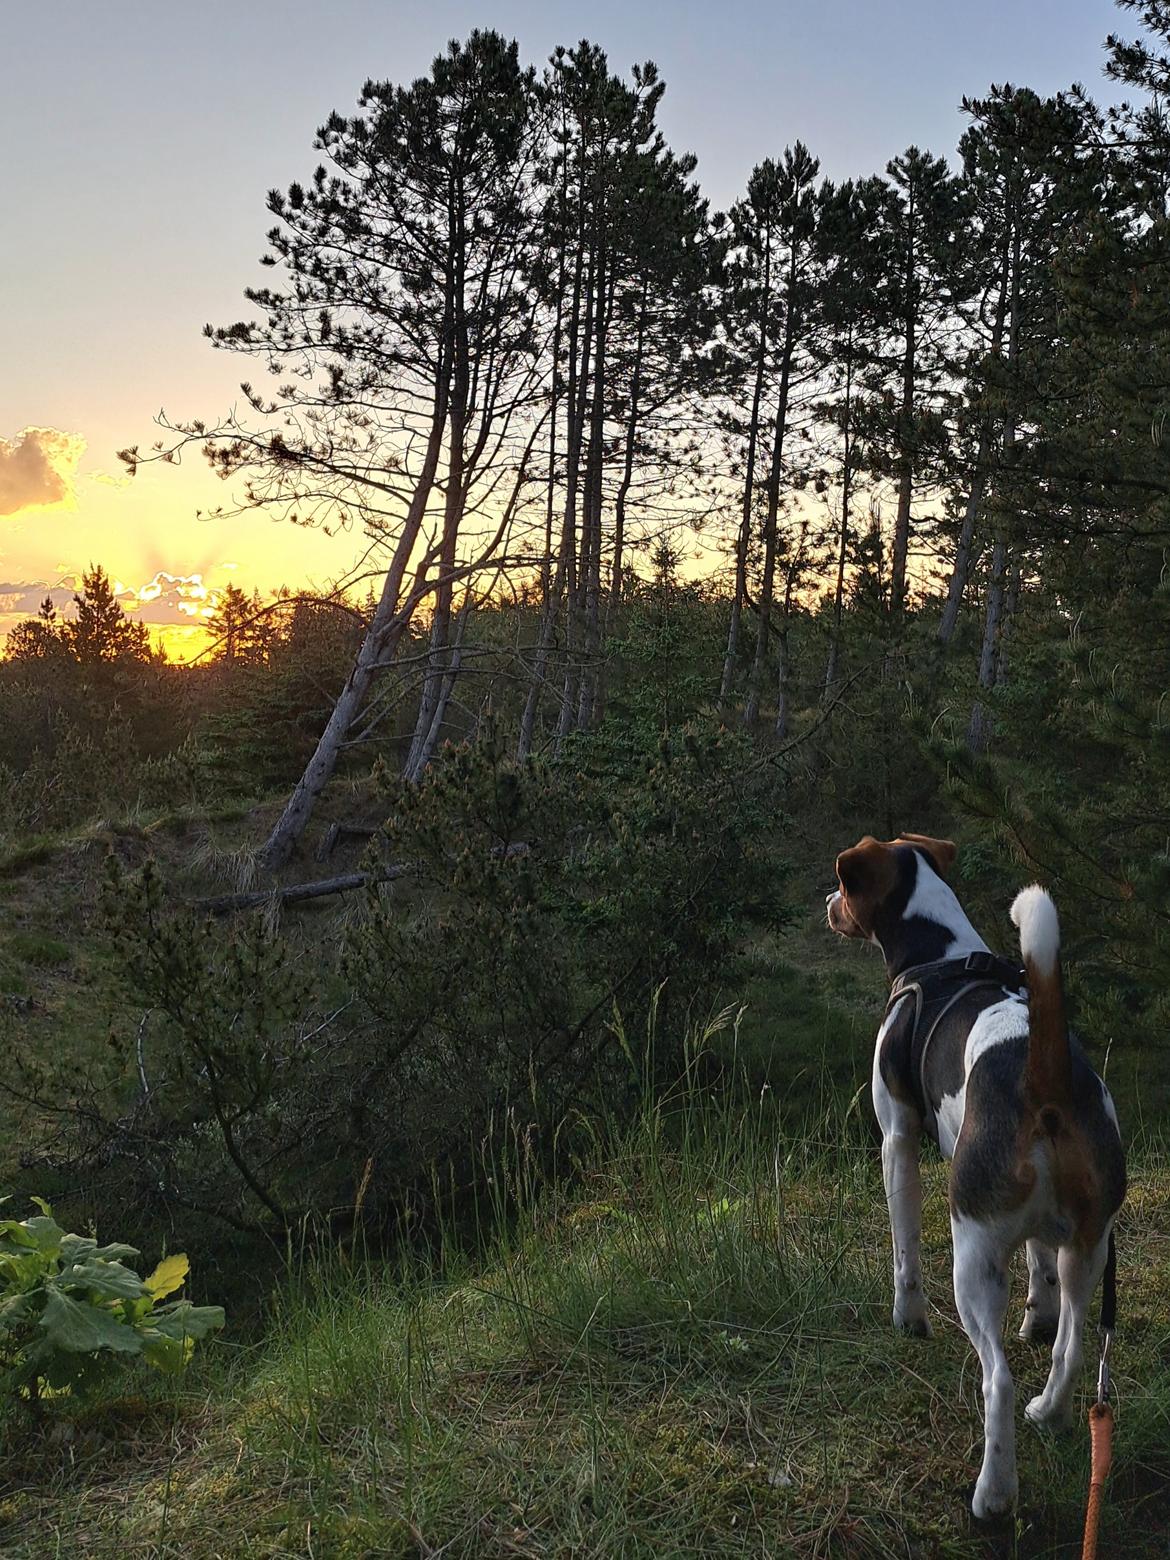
pixel 37 469
pixel 22 598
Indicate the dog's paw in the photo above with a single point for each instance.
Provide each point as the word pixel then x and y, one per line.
pixel 1047 1416
pixel 993 1504
pixel 913 1326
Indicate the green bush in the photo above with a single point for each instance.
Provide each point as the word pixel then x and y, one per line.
pixel 534 904
pixel 72 1312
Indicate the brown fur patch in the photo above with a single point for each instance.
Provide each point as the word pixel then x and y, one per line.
pixel 1078 1185
pixel 1048 1077
pixel 941 852
pixel 867 873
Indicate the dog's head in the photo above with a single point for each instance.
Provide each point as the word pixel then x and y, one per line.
pixel 876 874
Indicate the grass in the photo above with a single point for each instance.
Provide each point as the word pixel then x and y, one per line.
pixel 686 1353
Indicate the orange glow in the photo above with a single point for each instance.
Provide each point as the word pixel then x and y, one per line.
pixel 168 566
pixel 179 642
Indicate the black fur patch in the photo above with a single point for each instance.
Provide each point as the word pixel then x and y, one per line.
pixel 908 940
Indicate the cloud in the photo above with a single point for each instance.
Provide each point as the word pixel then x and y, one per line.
pixel 22 598
pixel 165 599
pixel 37 469
pixel 171 598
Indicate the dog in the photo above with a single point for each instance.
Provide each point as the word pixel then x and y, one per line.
pixel 978 1055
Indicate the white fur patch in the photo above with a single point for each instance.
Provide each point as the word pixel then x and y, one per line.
pixel 1110 1107
pixel 949 1118
pixel 1007 1020
pixel 934 901
pixel 1035 915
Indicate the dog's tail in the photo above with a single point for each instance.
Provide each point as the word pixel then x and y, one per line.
pixel 1049 1071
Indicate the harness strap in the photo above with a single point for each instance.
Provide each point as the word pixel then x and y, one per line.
pixel 981 964
pixel 982 968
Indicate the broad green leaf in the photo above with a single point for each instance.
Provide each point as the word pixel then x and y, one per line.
pixel 24 1269
pixel 39 1202
pixel 47 1234
pixel 135 1310
pixel 166 1354
pixel 79 1328
pixel 184 1320
pixel 110 1280
pixel 75 1372
pixel 19 1308
pixel 75 1248
pixel 115 1252
pixel 14 1231
pixel 168 1276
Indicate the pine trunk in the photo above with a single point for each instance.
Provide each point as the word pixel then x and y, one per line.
pixel 901 550
pixel 745 526
pixel 379 642
pixel 438 657
pixel 751 711
pixel 591 535
pixel 979 727
pixel 554 596
pixel 843 538
pixel 574 560
pixel 962 565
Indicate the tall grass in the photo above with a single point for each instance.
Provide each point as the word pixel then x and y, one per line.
pixel 682 1349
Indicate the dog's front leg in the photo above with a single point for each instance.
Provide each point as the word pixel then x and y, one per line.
pixel 901 1133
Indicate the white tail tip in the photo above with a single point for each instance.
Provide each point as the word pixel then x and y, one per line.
pixel 1035 915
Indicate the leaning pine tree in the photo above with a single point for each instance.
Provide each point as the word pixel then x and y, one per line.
pixel 402 335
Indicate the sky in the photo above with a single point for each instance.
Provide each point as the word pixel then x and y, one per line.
pixel 141 139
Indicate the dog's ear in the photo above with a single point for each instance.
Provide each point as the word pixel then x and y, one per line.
pixel 863 867
pixel 941 852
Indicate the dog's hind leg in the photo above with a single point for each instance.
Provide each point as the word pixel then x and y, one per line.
pixel 1079 1277
pixel 981 1293
pixel 1042 1310
pixel 901 1132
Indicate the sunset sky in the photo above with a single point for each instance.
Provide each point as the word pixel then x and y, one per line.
pixel 141 139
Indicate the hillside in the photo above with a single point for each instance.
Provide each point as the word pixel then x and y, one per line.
pixel 688 1354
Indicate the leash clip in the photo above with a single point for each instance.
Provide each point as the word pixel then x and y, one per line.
pixel 1103 1381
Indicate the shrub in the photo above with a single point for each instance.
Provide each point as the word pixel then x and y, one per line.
pixel 538 902
pixel 72 1312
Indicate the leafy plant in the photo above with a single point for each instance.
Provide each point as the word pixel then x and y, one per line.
pixel 71 1311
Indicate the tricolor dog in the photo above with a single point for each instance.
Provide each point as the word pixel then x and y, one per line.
pixel 977 1054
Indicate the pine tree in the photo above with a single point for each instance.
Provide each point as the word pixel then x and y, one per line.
pixel 401 335
pixel 907 378
pixel 100 633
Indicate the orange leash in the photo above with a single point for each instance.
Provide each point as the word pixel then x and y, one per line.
pixel 1101 1416
pixel 1101 1431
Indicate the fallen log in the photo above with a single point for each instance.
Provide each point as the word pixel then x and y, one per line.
pixel 318 888
pixel 290 893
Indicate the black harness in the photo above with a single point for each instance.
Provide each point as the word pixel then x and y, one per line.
pixel 936 988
